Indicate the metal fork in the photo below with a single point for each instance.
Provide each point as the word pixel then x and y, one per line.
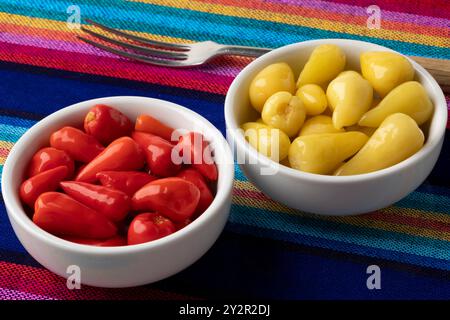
pixel 164 53
pixel 182 55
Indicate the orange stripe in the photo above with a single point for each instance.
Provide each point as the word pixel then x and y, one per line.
pixel 39 32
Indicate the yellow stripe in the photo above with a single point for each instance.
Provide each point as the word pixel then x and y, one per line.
pixel 349 220
pixel 275 206
pixel 48 24
pixel 297 20
pixel 6 144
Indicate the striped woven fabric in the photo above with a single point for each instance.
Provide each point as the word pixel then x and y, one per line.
pixel 267 250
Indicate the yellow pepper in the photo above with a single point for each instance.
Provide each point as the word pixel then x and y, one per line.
pixel 313 98
pixel 350 96
pixel 324 64
pixel 385 70
pixel 395 140
pixel 271 142
pixel 323 153
pixel 319 124
pixel 409 98
pixel 285 112
pixel 273 78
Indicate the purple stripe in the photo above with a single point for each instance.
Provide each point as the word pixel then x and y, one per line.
pixel 60 45
pixel 361 11
pixel 80 47
pixel 8 294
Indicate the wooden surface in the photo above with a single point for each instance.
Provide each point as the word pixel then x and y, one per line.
pixel 439 69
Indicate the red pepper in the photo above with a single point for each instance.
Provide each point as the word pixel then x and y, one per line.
pixel 196 152
pixel 174 198
pixel 126 181
pixel 107 124
pixel 79 145
pixel 181 225
pixel 115 241
pixel 49 158
pixel 147 227
pixel 121 155
pixel 113 204
pixel 42 182
pixel 158 153
pixel 206 197
pixel 148 124
pixel 61 215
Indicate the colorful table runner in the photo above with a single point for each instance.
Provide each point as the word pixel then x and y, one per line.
pixel 267 250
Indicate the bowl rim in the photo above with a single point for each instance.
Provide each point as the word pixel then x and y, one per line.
pixel 438 120
pixel 15 210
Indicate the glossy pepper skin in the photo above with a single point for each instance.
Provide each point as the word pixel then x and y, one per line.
pixel 106 124
pixel 111 203
pixel 49 158
pixel 79 145
pixel 61 215
pixel 158 152
pixel 115 241
pixel 194 150
pixel 174 198
pixel 125 181
pixel 148 124
pixel 147 227
pixel 397 138
pixel 42 182
pixel 121 155
pixel 206 197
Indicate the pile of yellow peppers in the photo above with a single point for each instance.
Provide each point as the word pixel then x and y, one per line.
pixel 339 122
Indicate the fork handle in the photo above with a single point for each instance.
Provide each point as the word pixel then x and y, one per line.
pixel 243 51
pixel 439 68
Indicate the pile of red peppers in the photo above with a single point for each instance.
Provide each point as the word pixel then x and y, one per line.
pixel 112 183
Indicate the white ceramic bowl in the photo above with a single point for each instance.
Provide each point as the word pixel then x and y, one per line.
pixel 128 265
pixel 321 194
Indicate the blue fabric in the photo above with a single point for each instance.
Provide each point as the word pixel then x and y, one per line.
pixel 242 263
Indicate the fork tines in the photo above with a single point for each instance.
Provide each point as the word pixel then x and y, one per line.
pixel 135 47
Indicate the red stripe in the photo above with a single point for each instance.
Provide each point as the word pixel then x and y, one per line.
pixel 417 222
pixel 39 281
pixel 434 8
pixel 4 152
pixel 118 68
